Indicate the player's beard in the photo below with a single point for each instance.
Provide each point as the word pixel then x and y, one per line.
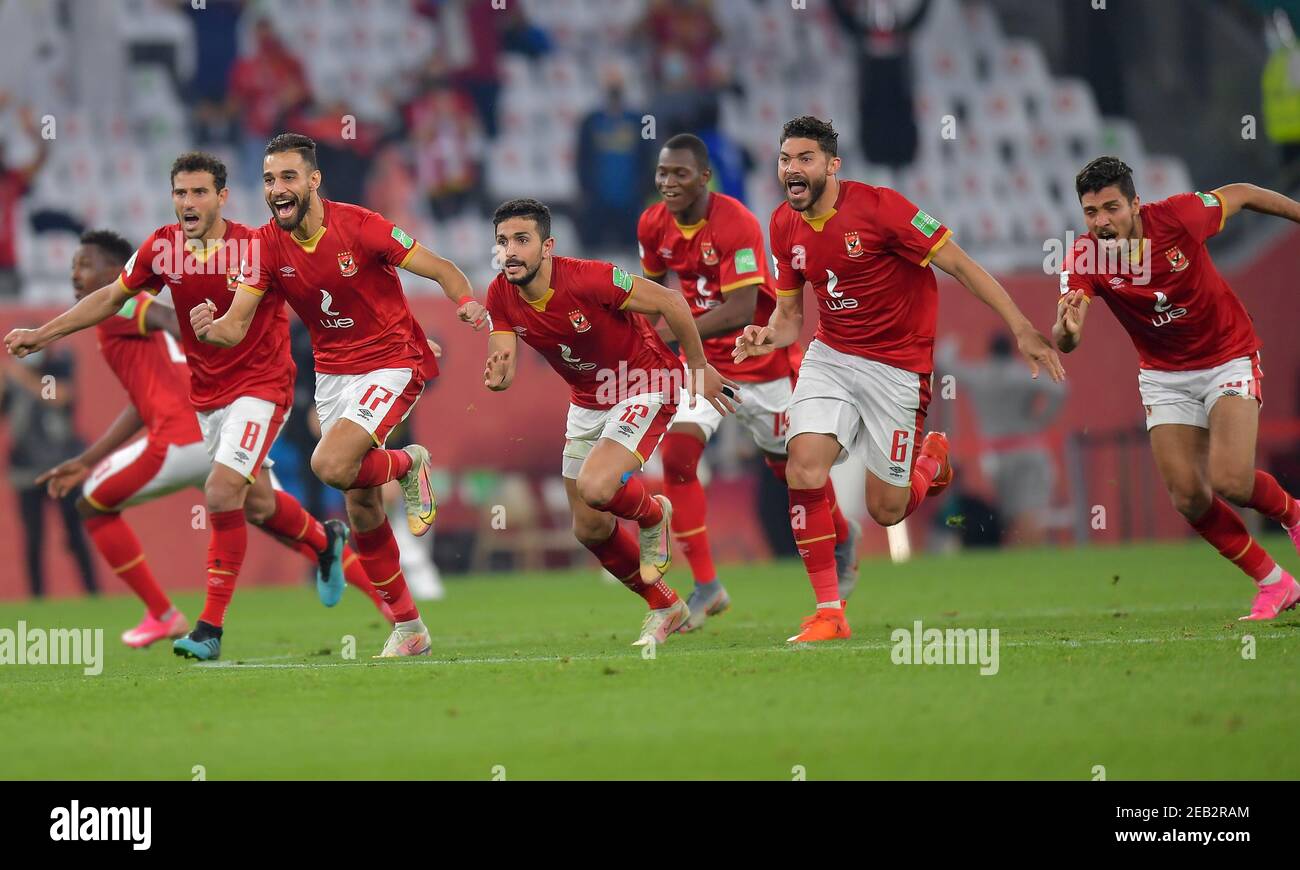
pixel 527 277
pixel 816 187
pixel 299 213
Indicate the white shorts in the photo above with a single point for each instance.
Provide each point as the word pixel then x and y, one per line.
pixel 377 401
pixel 1188 397
pixel 638 423
pixel 240 434
pixel 874 410
pixel 145 470
pixel 762 411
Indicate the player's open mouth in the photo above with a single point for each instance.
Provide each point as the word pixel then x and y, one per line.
pixel 796 187
pixel 284 207
pixel 189 220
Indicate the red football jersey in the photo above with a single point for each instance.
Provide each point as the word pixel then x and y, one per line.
pixel 152 369
pixel 868 260
pixel 721 253
pixel 343 283
pixel 1174 304
pixel 261 365
pixel 581 329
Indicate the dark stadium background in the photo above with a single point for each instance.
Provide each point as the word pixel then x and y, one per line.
pixel 1172 82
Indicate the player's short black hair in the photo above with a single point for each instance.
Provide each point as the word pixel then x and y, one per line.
pixel 808 127
pixel 692 143
pixel 200 161
pixel 304 145
pixel 524 208
pixel 1104 172
pixel 117 249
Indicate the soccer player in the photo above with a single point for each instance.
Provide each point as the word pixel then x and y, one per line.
pixel 715 246
pixel 1199 374
pixel 336 264
pixel 584 318
pixel 864 384
pixel 241 398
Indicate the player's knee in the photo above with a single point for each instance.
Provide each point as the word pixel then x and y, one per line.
pixel 1191 502
pixel 596 491
pixel 1236 485
pixel 223 495
pixel 886 513
pixel 800 474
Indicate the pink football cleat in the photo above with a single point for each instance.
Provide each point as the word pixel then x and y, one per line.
pixel 151 630
pixel 1275 598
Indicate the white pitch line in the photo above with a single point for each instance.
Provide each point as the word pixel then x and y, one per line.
pixel 268 664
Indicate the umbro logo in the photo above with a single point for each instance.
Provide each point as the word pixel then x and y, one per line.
pixel 665 252
pixel 521 330
pixel 287 271
pixel 1116 281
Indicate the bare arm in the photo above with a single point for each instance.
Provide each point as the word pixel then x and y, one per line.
pixel 92 309
pixel 68 475
pixel 1247 196
pixel 499 373
pixel 736 310
pixel 1034 346
pixel 781 330
pixel 425 263
pixel 162 318
pixel 230 328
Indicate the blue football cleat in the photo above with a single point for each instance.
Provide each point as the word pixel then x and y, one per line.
pixel 329 565
pixel 205 650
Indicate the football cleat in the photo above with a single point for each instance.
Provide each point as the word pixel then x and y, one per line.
pixel 417 492
pixel 1274 598
pixel 151 630
pixel 846 559
pixel 826 623
pixel 935 446
pixel 656 545
pixel 707 599
pixel 206 650
pixel 659 624
pixel 407 642
pixel 329 563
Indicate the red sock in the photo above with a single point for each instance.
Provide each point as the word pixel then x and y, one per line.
pixel 354 572
pixel 1270 499
pixel 382 562
pixel 837 515
pixel 621 556
pixel 225 557
pixel 379 466
pixel 1225 531
pixel 681 457
pixel 117 543
pixel 923 472
pixel 814 535
pixel 634 502
pixel 292 521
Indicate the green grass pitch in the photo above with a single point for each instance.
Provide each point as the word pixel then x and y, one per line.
pixel 1128 658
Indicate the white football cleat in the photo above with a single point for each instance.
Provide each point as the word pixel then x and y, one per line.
pixel 413 640
pixel 661 623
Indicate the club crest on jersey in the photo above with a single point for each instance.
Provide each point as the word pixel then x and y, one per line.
pixel 579 321
pixel 853 244
pixel 232 278
pixel 709 253
pixel 1177 262
pixel 347 264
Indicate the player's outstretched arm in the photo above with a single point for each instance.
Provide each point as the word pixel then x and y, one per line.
pixel 162 318
pixel 647 297
pixel 1034 346
pixel 781 330
pixel 499 373
pixel 68 475
pixel 92 309
pixel 736 310
pixel 1071 309
pixel 451 279
pixel 230 328
pixel 1252 198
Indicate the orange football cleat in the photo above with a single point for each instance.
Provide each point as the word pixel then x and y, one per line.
pixel 827 623
pixel 935 446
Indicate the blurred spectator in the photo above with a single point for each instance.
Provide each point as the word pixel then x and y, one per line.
pixel 216 38
pixel 14 184
pixel 447 144
pixel 688 71
pixel 342 161
pixel 881 31
pixel 470 42
pixel 727 157
pixel 265 84
pixel 614 171
pixel 1014 412
pixel 1280 86
pixel 42 435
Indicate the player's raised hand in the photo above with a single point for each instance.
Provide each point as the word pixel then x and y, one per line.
pixel 202 317
pixel 21 342
pixel 1071 312
pixel 754 340
pixel 1038 351
pixel 474 313
pixel 718 391
pixel 64 477
pixel 498 367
